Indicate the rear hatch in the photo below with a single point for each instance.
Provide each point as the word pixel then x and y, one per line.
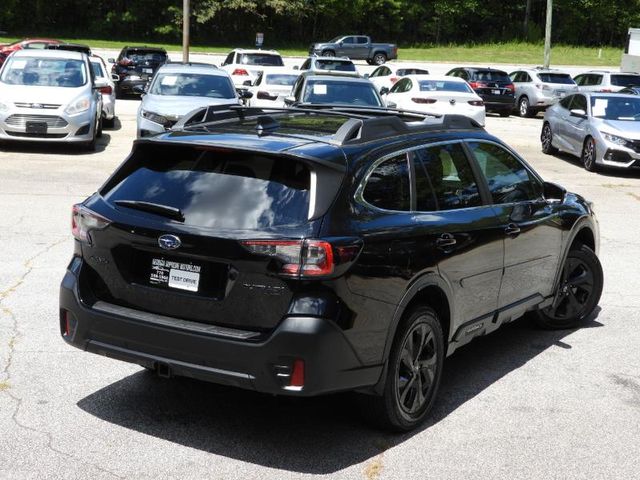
pixel 493 86
pixel 143 63
pixel 558 84
pixel 198 264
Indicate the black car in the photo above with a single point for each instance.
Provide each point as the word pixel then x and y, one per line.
pixel 304 251
pixel 494 87
pixel 135 66
pixel 70 47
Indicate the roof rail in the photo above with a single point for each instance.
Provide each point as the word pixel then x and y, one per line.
pixel 363 124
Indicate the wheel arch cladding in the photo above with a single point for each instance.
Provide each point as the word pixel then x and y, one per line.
pixel 584 236
pixel 434 297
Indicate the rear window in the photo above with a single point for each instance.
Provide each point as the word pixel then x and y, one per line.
pixel 262 59
pixel 401 72
pixel 336 65
pixel 443 85
pixel 193 85
pixel 281 79
pixel 217 189
pixel 341 92
pixel 492 76
pixel 625 80
pixel 146 56
pixel 556 78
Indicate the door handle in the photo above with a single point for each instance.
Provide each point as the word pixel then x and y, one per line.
pixel 446 240
pixel 512 230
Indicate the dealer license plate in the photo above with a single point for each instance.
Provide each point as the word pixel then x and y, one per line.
pixel 168 273
pixel 147 70
pixel 495 92
pixel 37 128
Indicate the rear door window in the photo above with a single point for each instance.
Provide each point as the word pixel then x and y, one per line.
pixel 562 78
pixel 213 189
pixel 625 80
pixel 388 185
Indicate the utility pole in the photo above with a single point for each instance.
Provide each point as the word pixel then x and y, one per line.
pixel 525 26
pixel 547 34
pixel 186 14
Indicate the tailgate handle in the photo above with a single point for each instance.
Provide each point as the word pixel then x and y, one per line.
pixel 512 230
pixel 446 240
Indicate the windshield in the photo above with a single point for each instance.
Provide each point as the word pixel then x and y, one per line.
pixel 616 108
pixel 262 59
pixel 337 65
pixel 138 56
pixel 192 85
pixel 443 86
pixel 44 72
pixel 281 79
pixel 341 92
pixel 556 78
pixel 625 80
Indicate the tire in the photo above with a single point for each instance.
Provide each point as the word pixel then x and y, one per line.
pixel 401 408
pixel 328 53
pixel 90 146
pixel 369 61
pixel 99 127
pixel 109 123
pixel 546 139
pixel 578 291
pixel 589 155
pixel 524 109
pixel 379 58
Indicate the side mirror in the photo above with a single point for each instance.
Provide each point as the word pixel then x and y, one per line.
pixel 100 84
pixel 578 112
pixel 290 100
pixel 140 89
pixel 553 192
pixel 296 67
pixel 247 83
pixel 112 60
pixel 384 90
pixel 366 75
pixel 244 94
pixel 115 78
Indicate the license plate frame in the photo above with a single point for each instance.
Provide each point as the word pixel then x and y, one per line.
pixel 37 128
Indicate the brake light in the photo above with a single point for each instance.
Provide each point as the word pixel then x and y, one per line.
pixel 306 258
pixel 240 71
pixel 606 90
pixel 262 95
pixel 423 100
pixel 106 90
pixel 477 84
pixel 83 221
pixel 476 103
pixel 510 87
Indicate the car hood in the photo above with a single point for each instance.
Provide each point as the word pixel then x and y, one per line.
pixel 627 129
pixel 180 105
pixel 36 94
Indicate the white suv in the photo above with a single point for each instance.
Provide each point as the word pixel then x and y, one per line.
pixel 538 88
pixel 605 81
pixel 244 66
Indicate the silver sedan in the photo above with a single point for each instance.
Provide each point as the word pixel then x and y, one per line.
pixel 600 129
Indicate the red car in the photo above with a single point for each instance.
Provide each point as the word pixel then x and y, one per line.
pixel 42 43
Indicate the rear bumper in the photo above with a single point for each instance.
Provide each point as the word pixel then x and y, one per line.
pixel 330 364
pixel 498 102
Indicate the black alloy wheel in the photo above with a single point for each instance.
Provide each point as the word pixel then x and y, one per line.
pixel 546 138
pixel 589 155
pixel 413 373
pixel 578 291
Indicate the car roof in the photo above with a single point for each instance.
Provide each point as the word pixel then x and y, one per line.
pixel 206 69
pixel 142 47
pixel 444 78
pixel 541 70
pixel 481 69
pixel 255 50
pixel 331 59
pixel 280 71
pixel 332 75
pixel 44 53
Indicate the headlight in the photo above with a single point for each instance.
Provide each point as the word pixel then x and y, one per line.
pixel 156 118
pixel 623 142
pixel 78 106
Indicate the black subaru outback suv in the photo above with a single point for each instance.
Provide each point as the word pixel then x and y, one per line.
pixel 135 67
pixel 301 252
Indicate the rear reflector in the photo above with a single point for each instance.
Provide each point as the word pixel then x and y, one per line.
pixel 67 323
pixel 297 374
pixel 240 71
pixel 423 100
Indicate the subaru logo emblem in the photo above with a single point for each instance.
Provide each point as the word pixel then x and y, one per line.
pixel 169 242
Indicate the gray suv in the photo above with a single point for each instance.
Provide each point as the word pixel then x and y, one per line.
pixel 537 89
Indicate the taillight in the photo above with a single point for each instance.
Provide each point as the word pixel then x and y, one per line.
pixel 240 71
pixel 606 90
pixel 83 221
pixel 106 90
pixel 393 79
pixel 476 103
pixel 423 100
pixel 477 84
pixel 306 258
pixel 511 87
pixel 262 95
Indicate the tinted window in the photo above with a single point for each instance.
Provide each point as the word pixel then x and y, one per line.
pixel 348 40
pixel 97 70
pixel 579 102
pixel 229 59
pixel 192 85
pixel 341 92
pixel 579 79
pixel 222 190
pixel 616 108
pixel 400 86
pixel 262 59
pixel 338 65
pixel 388 185
pixel 281 79
pixel 444 179
pixel 380 72
pixel 138 56
pixel 401 72
pixel 491 75
pixel 362 40
pixel 509 181
pixel 565 102
pixel 556 78
pixel 625 80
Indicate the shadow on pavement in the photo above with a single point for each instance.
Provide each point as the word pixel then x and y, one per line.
pixel 316 435
pixel 55 148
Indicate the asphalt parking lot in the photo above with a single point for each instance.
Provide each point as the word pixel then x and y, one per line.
pixel 520 403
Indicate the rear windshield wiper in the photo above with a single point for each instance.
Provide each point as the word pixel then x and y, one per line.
pixel 164 210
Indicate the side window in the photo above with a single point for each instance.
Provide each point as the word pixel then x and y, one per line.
pixel 514 76
pixel 408 85
pixel 579 102
pixel 464 74
pixel 453 73
pixel 579 79
pixel 229 59
pixel 565 102
pixel 362 40
pixel 306 64
pixel 297 88
pixel 526 77
pixel 444 179
pixel 258 80
pixel 508 179
pixel 388 185
pixel 399 86
pixel 597 80
pixel 348 40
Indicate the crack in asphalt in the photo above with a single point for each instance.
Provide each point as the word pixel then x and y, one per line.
pixel 15 334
